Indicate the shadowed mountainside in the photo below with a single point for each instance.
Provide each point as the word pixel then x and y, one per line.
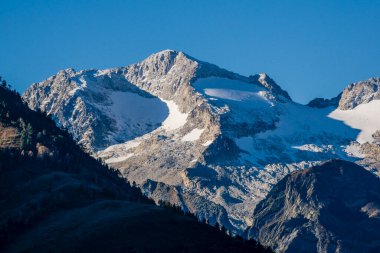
pixel 56 198
pixel 334 207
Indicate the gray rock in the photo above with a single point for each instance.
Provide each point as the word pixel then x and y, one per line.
pixel 334 207
pixel 323 103
pixel 359 93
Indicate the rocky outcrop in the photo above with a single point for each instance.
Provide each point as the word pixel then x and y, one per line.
pixel 323 102
pixel 360 93
pixel 334 207
pixel 270 84
pixel 353 95
pixel 9 137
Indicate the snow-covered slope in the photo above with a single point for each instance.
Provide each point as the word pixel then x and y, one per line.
pixel 100 108
pixel 365 117
pixel 204 138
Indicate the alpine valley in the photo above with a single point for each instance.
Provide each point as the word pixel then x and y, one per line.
pixel 232 149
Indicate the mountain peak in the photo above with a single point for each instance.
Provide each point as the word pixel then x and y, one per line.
pixel 168 55
pixel 165 59
pixel 190 127
pixel 360 93
pixel 165 53
pixel 270 84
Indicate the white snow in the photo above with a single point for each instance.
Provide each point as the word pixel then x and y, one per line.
pixel 119 159
pixel 297 123
pixel 132 108
pixel 103 72
pixel 300 131
pixel 124 146
pixel 365 117
pixel 236 95
pixel 207 143
pixel 242 100
pixel 176 118
pixel 309 147
pixel 73 91
pixel 228 89
pixel 193 135
pixel 354 150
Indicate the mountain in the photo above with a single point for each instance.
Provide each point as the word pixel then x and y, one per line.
pixel 360 93
pixel 201 137
pixel 56 198
pixel 333 207
pixel 358 108
pixel 323 102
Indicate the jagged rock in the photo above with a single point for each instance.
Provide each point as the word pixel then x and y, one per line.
pixel 322 102
pixel 270 84
pixel 334 207
pixel 359 93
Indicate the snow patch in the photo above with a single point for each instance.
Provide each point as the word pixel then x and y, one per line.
pixel 229 89
pixel 309 147
pixel 73 91
pixel 176 118
pixel 103 72
pixel 132 109
pixel 365 117
pixel 207 143
pixel 235 95
pixel 125 146
pixel 119 159
pixel 193 135
pixel 354 150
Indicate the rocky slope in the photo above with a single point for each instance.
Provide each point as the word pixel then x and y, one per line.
pixel 201 137
pixel 360 93
pixel 359 107
pixel 334 207
pixel 56 198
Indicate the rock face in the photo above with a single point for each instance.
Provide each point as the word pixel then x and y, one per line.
pixel 323 102
pixel 91 105
pixel 334 207
pixel 188 132
pixel 360 93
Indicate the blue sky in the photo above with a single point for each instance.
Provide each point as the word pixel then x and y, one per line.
pixel 311 48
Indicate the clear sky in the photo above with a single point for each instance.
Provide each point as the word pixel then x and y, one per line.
pixel 311 48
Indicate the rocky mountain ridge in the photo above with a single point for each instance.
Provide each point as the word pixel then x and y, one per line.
pixel 213 142
pixel 360 93
pixel 333 207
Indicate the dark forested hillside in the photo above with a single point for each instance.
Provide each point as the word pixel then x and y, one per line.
pixel 56 198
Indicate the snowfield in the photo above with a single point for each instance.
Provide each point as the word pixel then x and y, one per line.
pixel 229 91
pixel 194 135
pixel 365 117
pixel 131 108
pixel 175 119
